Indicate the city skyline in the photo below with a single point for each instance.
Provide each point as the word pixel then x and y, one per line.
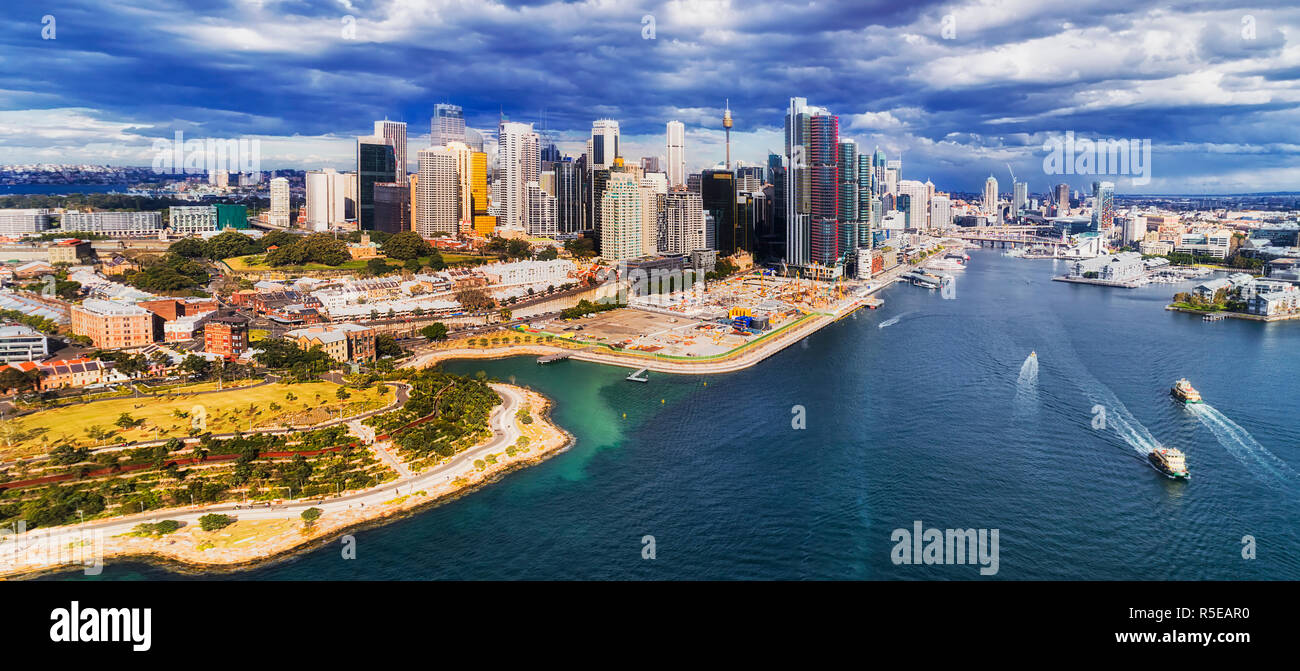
pixel 956 109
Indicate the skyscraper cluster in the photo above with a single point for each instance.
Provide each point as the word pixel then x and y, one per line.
pixel 816 207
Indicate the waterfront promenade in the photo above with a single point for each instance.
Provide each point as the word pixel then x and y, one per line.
pixel 279 527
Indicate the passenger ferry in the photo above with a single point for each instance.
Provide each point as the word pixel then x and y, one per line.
pixel 1185 392
pixel 1169 461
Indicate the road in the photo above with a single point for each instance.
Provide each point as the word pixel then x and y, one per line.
pixel 505 432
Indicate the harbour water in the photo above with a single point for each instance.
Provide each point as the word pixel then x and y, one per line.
pixel 938 418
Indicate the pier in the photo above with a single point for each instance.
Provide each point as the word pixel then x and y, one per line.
pixel 639 376
pixel 558 356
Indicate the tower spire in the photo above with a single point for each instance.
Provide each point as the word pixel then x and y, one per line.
pixel 726 123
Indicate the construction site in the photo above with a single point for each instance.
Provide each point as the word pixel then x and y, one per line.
pixel 727 315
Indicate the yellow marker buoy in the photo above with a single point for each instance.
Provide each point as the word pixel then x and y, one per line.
pixel 662 401
pixel 625 415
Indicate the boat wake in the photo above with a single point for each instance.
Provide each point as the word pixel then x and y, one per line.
pixel 1128 428
pixel 1241 445
pixel 891 321
pixel 1108 412
pixel 1028 380
pixel 1026 399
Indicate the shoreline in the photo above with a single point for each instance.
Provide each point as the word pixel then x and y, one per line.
pixel 1235 315
pixel 279 535
pixel 745 356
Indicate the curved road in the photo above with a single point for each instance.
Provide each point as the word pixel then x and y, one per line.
pixel 504 432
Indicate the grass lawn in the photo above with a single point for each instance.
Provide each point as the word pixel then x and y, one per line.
pixel 256 263
pixel 462 259
pixel 171 415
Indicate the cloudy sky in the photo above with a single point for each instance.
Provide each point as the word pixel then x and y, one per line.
pixel 958 89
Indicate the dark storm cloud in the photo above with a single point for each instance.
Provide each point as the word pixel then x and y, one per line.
pixel 1184 75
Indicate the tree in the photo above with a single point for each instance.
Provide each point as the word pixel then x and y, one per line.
pixel 169 273
pixel 126 421
pixel 548 254
pixel 230 244
pixel 342 394
pixel 474 299
pixel 435 260
pixel 214 521
pixel 412 265
pixel 196 366
pixel 435 331
pixel 18 380
pixel 581 247
pixel 405 246
pixel 320 248
pixel 386 345
pixel 518 249
pixel 310 515
pixel 192 248
pixel 66 455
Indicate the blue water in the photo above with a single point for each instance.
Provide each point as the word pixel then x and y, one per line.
pixel 935 418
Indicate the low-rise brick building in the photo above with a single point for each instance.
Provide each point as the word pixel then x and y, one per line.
pixel 342 342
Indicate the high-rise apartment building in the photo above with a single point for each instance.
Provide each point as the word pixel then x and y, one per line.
pixel 812 185
pixel 940 212
pixel 823 156
pixel 279 213
pixel 518 163
pixel 1019 198
pixel 917 211
pixel 653 185
pixel 437 193
pixel 621 223
pixel 540 211
pixel 848 195
pixel 682 230
pixel 676 154
pixel 991 200
pixel 331 198
pixel 463 157
pixel 1103 205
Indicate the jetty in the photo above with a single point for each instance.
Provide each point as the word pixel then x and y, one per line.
pixel 558 356
pixel 639 376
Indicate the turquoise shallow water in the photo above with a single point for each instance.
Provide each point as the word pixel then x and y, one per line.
pixel 933 418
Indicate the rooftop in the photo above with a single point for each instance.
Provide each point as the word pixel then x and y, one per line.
pixel 105 308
